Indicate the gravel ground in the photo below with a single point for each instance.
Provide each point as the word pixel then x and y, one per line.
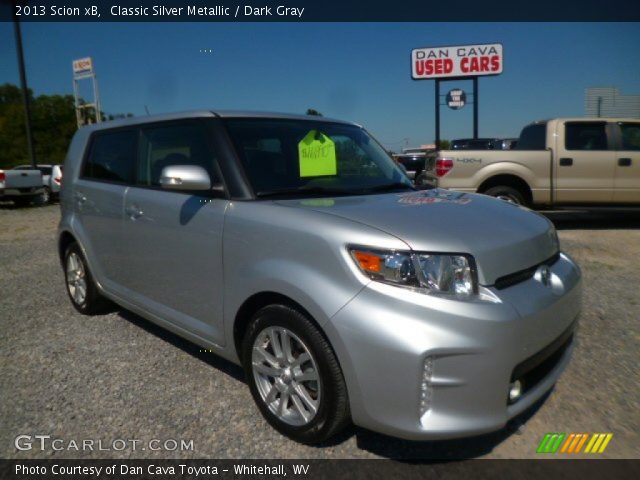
pixel 118 376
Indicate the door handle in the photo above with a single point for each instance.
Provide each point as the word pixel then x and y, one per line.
pixel 566 162
pixel 624 162
pixel 80 198
pixel 133 212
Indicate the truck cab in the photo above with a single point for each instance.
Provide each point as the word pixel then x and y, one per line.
pixel 558 162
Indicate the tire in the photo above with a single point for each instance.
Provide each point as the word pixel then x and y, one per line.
pixel 315 408
pixel 420 179
pixel 45 197
pixel 508 194
pixel 78 280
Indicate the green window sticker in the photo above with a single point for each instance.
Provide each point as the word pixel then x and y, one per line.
pixel 317 154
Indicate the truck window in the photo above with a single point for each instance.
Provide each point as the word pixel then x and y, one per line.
pixel 630 133
pixel 533 137
pixel 111 157
pixel 585 136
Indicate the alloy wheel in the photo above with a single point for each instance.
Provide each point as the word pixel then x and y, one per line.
pixel 76 278
pixel 286 375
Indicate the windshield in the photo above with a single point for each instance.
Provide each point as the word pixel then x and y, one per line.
pixel 293 157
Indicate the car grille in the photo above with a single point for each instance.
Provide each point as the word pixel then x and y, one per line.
pixel 523 275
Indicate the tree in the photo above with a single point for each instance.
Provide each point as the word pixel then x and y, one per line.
pixel 53 123
pixel 312 111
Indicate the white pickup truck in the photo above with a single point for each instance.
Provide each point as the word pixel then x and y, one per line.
pixel 21 186
pixel 564 161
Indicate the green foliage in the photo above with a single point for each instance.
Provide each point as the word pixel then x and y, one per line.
pixel 445 144
pixel 312 111
pixel 53 123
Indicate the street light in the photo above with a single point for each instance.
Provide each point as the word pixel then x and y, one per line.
pixel 23 84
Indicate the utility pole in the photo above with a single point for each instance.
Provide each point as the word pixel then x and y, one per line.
pixel 25 89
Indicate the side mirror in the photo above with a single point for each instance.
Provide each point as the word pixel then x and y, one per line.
pixel 185 177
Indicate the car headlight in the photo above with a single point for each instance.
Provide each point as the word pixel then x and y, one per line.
pixel 434 273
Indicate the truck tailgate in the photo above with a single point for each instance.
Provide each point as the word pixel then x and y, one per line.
pixel 22 179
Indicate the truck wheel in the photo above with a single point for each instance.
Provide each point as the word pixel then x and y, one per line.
pixel 81 287
pixel 419 180
pixel 508 194
pixel 294 375
pixel 45 196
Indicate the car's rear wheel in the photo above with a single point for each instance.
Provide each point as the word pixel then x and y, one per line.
pixel 81 287
pixel 294 376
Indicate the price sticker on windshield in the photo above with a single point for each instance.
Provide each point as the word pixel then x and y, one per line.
pixel 317 154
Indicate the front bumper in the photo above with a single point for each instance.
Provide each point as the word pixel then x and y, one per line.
pixel 383 336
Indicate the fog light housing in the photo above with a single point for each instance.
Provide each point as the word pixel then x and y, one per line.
pixel 515 391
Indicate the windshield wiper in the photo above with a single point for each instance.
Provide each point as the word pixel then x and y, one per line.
pixel 302 191
pixel 390 186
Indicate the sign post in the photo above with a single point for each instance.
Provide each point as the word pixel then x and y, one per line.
pixel 455 63
pixel 83 69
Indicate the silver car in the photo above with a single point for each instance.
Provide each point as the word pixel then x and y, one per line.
pixel 295 247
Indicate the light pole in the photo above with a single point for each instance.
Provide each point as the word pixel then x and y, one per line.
pixel 25 90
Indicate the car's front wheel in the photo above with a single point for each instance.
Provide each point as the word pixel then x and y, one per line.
pixel 294 376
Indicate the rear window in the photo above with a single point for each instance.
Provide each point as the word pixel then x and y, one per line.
pixel 630 133
pixel 112 157
pixel 585 136
pixel 533 137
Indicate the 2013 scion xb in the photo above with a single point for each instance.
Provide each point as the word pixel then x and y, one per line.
pixel 294 246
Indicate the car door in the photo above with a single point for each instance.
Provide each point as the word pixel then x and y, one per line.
pixel 174 239
pixel 98 197
pixel 627 177
pixel 585 163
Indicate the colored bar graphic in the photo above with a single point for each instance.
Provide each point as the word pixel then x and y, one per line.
pixel 550 443
pixel 573 443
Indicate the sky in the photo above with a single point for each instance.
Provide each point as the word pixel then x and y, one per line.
pixel 352 71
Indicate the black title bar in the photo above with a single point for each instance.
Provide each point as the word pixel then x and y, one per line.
pixel 319 11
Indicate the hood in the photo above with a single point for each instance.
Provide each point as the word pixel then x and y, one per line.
pixel 502 237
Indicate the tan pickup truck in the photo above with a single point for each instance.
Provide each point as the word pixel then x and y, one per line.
pixel 564 161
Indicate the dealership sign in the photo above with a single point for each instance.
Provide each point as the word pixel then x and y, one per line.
pixel 456 62
pixel 456 99
pixel 83 66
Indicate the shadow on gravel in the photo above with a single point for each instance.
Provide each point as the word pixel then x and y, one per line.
pixel 192 349
pixel 5 205
pixel 378 444
pixel 594 220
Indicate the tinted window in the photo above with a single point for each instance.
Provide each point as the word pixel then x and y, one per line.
pixel 276 155
pixel 45 170
pixel 630 133
pixel 176 144
pixel 112 157
pixel 533 137
pixel 585 136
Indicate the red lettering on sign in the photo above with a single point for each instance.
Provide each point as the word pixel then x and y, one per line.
pixel 434 66
pixel 480 64
pixel 495 63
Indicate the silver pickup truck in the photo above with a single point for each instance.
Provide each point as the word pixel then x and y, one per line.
pixel 564 161
pixel 21 186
